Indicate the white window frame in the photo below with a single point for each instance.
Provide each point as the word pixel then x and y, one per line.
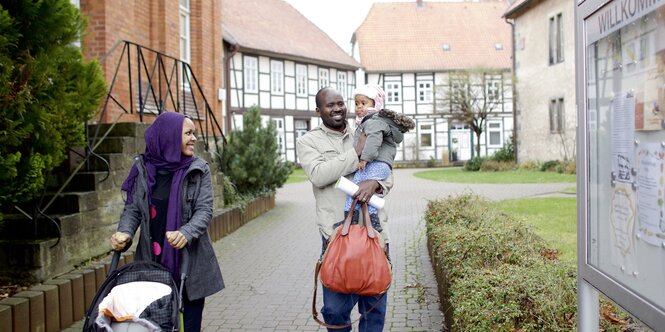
pixel 426 129
pixel 393 92
pixel 341 83
pixel 425 91
pixel 556 39
pixel 301 80
pixel 494 127
pixel 276 77
pixel 251 74
pixel 324 78
pixel 556 117
pixel 493 88
pixel 185 33
pixel 460 89
pixel 279 131
pixel 301 128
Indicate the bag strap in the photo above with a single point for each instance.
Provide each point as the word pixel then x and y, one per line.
pixel 371 232
pixel 315 313
pixel 349 217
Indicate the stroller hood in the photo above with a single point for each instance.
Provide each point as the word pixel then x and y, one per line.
pixel 142 292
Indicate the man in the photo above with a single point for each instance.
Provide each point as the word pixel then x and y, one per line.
pixel 326 153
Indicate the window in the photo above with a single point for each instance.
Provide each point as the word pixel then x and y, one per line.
pixel 301 80
pixel 459 90
pixel 279 129
pixel 556 39
pixel 185 49
pixel 393 92
pixel 494 134
pixel 276 77
pixel 301 128
pixel 556 116
pixel 425 92
pixel 341 83
pixel 251 74
pixel 426 133
pixel 493 88
pixel 324 82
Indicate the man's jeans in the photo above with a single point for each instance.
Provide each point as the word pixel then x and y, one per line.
pixel 337 310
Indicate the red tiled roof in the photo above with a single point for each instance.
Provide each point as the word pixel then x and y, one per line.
pixel 398 37
pixel 275 27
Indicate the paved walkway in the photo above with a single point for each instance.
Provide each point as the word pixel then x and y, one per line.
pixel 268 264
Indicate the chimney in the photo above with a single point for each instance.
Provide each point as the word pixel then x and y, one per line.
pixel 419 3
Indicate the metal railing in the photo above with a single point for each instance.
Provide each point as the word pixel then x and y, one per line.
pixel 154 83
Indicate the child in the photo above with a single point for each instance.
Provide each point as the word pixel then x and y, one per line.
pixel 384 129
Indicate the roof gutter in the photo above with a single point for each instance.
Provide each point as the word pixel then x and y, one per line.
pixel 512 81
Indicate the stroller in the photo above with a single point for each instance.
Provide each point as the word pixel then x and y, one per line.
pixel 140 296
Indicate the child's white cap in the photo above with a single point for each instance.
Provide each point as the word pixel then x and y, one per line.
pixel 373 92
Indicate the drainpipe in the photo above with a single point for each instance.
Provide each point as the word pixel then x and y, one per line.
pixel 227 84
pixel 512 80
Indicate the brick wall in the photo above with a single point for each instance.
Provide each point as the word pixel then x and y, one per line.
pixel 155 25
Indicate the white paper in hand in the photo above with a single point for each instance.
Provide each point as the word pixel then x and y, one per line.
pixel 350 188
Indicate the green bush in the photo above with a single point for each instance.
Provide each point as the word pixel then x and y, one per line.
pixel 47 92
pixel 530 165
pixel 476 236
pixel 541 297
pixel 497 166
pixel 474 163
pixel 506 153
pixel 550 166
pixel 251 158
pixel 496 267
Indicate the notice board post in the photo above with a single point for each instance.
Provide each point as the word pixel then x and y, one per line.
pixel 620 79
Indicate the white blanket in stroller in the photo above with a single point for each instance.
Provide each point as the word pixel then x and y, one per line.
pixel 126 303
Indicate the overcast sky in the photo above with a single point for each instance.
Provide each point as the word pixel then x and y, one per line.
pixel 338 18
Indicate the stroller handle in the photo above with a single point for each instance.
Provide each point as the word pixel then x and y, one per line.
pixel 116 257
pixel 184 260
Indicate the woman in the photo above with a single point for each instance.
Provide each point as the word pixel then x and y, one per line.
pixel 170 195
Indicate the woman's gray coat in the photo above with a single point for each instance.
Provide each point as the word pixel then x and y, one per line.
pixel 204 276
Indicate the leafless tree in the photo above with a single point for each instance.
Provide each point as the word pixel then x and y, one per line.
pixel 473 95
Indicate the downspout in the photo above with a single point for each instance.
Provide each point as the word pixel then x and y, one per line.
pixel 227 83
pixel 512 80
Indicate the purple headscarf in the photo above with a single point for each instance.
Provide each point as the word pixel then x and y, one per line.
pixel 163 151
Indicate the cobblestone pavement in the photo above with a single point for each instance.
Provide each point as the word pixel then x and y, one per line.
pixel 268 264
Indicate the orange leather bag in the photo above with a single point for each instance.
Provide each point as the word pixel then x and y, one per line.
pixel 355 261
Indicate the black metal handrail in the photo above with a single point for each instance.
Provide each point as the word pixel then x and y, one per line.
pixel 164 84
pixel 174 90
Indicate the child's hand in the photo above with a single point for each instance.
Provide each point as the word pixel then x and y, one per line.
pixel 362 164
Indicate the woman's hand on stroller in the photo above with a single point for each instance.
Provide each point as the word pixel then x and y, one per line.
pixel 176 239
pixel 119 240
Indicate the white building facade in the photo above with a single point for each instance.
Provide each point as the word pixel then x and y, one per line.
pixel 545 79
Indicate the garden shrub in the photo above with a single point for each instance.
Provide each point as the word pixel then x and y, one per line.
pixel 497 166
pixel 550 165
pixel 476 236
pixel 474 163
pixel 47 92
pixel 506 153
pixel 497 275
pixel 540 297
pixel 530 165
pixel 251 158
